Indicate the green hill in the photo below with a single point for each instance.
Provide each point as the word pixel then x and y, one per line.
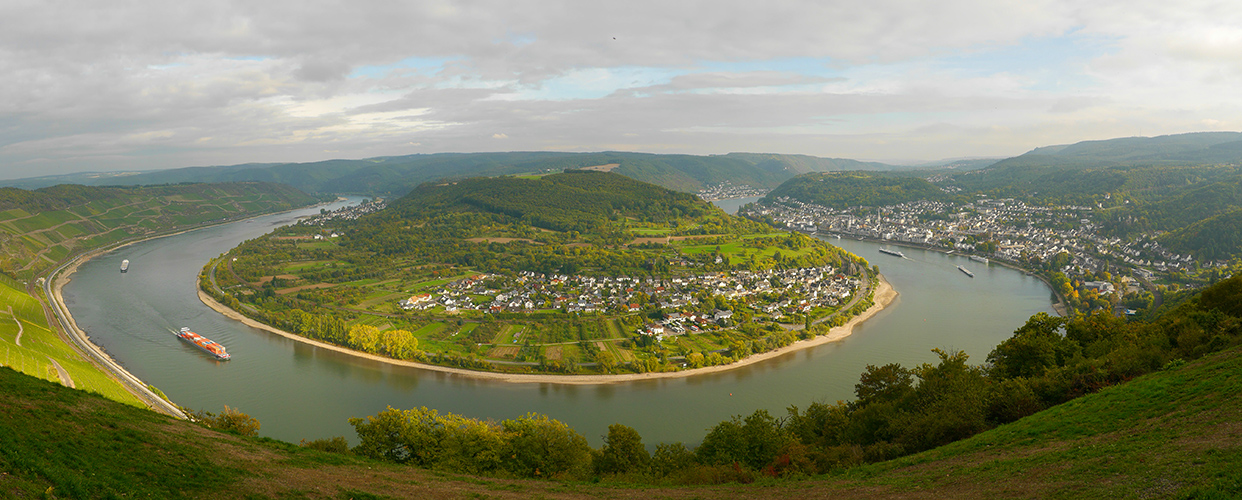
pixel 1215 238
pixel 577 200
pixel 1179 149
pixel 854 188
pixel 1146 168
pixel 40 228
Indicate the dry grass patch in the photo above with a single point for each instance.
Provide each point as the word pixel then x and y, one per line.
pixel 503 352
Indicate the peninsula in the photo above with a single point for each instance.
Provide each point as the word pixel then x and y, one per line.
pixel 574 275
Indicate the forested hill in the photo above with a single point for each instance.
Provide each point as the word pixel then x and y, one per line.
pixel 849 189
pixel 1146 167
pixel 40 228
pixel 395 175
pixel 1180 149
pixel 576 200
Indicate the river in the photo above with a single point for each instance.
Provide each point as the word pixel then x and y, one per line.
pixel 302 392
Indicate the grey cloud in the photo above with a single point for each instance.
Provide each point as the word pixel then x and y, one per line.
pixel 97 85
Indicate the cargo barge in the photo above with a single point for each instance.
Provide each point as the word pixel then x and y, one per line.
pixel 210 346
pixel 893 253
pixel 966 271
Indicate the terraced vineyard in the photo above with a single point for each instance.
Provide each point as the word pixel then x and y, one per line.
pixel 40 228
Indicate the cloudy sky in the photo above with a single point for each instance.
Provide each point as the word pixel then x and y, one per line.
pixel 91 85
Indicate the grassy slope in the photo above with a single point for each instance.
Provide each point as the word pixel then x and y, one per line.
pixel 40 345
pixel 1172 434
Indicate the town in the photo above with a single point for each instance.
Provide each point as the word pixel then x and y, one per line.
pixel 772 294
pixel 726 190
pixel 1062 238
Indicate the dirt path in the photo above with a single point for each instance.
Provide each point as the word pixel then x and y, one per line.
pixel 18 340
pixel 65 379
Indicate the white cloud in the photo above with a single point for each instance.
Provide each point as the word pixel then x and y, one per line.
pixel 164 84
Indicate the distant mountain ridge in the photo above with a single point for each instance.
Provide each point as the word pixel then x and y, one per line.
pixel 1179 149
pixel 395 175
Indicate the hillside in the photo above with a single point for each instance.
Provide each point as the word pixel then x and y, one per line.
pixel 41 227
pixel 32 346
pixel 1171 434
pixel 1215 238
pixel 1147 168
pixel 849 189
pixel 579 200
pixel 395 175
pixel 1180 149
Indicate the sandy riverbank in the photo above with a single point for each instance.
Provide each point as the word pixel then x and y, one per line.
pixel 884 295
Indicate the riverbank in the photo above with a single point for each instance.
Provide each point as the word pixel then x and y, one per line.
pixel 79 339
pixel 884 296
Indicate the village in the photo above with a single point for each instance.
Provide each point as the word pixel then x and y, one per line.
pixel 727 190
pixel 773 294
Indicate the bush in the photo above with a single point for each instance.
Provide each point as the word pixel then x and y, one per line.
pixel 331 445
pixel 230 420
pixel 623 452
pixel 538 446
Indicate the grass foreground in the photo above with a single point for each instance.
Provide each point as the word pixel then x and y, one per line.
pixel 1170 434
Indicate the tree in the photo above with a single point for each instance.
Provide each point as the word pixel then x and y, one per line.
pixel 542 447
pixel 607 362
pixel 752 442
pixel 947 404
pixel 886 383
pixel 1034 348
pixel 670 458
pixel 399 344
pixel 623 452
pixel 365 338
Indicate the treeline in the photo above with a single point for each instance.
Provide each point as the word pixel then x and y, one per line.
pixel 854 188
pixel 897 411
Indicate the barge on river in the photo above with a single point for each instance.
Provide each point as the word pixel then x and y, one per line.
pixel 210 346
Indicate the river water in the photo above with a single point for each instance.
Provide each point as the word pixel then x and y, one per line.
pixel 302 392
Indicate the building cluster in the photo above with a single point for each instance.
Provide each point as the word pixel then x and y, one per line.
pixel 728 191
pixel 774 292
pixel 1004 229
pixel 344 213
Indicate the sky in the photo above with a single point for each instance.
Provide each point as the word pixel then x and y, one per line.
pixel 141 85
